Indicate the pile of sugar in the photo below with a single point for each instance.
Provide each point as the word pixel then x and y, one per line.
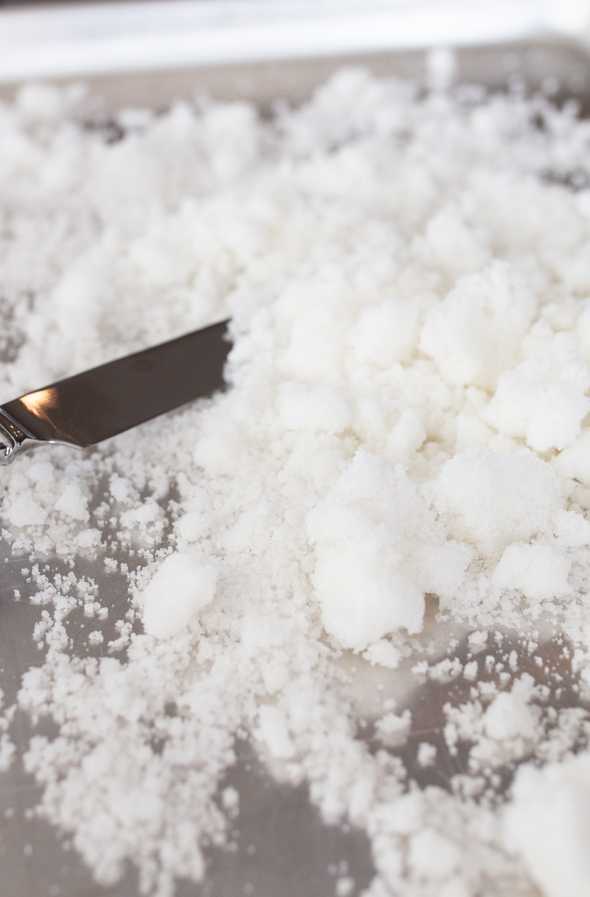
pixel 404 440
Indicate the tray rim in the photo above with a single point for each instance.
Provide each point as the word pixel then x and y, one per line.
pixel 90 40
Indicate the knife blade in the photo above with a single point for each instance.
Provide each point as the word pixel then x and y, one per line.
pixel 106 400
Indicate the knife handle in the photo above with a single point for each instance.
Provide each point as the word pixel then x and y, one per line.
pixel 13 438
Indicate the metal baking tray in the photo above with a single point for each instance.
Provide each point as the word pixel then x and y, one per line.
pixel 283 848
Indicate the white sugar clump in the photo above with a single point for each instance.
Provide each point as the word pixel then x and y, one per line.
pixel 302 407
pixel 548 825
pixel 475 332
pixel 273 732
pixel 387 333
pixel 543 399
pixel 540 571
pixel 431 850
pixel 378 534
pixel 72 502
pixel 574 461
pixel 384 654
pixel 181 587
pixel 496 498
pixel 378 550
pixel 23 510
pixel 510 714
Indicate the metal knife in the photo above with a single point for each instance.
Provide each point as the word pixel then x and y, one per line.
pixel 106 400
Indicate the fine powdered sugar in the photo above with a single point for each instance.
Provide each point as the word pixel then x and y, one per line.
pixel 397 477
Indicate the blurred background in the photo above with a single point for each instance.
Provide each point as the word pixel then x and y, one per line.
pixel 80 38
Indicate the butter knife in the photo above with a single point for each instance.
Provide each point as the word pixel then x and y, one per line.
pixel 111 398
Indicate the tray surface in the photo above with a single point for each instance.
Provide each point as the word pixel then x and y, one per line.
pixel 284 850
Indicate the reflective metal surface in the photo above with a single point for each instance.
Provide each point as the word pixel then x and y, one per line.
pixel 282 849
pixel 13 438
pixel 106 400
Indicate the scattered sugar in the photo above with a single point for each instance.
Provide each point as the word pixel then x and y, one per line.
pixel 7 747
pixel 426 754
pixel 344 886
pixel 230 799
pixel 7 752
pixel 393 728
pixel 470 670
pixel 478 641
pixel 404 445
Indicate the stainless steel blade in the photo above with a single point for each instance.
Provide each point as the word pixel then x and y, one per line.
pixel 106 400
